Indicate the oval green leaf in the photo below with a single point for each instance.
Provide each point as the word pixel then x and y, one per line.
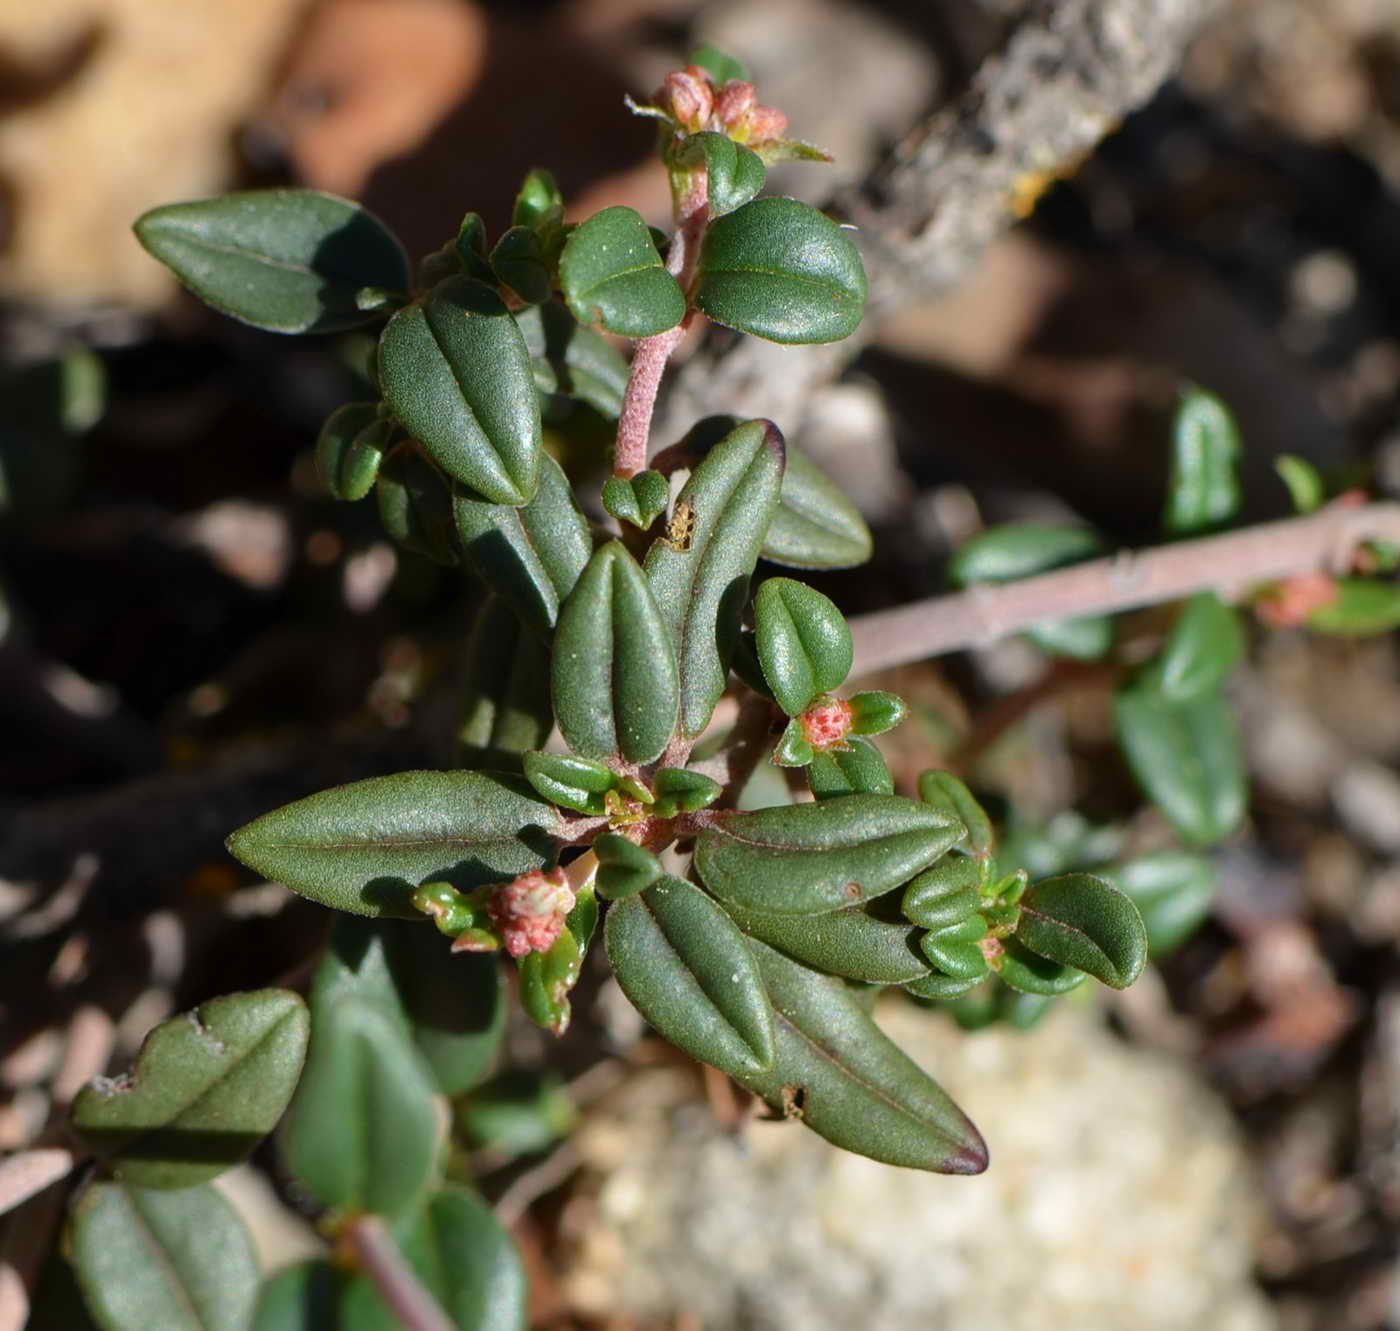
pixel 1030 973
pixel 1203 489
pixel 687 969
pixel 348 452
pixel 305 1297
pixel 779 269
pixel 816 525
pixel 519 260
pixel 854 943
pixel 1186 757
pixel 288 260
pixel 624 867
pixel 1361 606
pixel 207 1087
pixel 455 370
pixel 679 790
pixel 943 790
pixel 531 554
pixel 856 770
pixel 572 360
pixel 803 642
pixel 1204 646
pixel 946 894
pixel 1082 921
pixel 841 1076
pixel 955 949
pixel 614 679
pixel 415 505
pixel 506 709
pixel 702 581
pixel 568 780
pixel 807 859
pixel 612 275
pixel 362 848
pixel 1173 892
pixel 735 173
pixel 177 1260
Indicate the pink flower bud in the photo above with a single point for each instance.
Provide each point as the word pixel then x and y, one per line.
pixel 734 103
pixel 1293 600
pixel 827 724
pixel 690 99
pixel 529 911
pixel 766 123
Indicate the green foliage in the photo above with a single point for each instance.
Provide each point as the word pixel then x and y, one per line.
pixel 613 276
pixel 571 361
pixel 816 525
pixel 858 769
pixel 207 1087
pixel 350 447
pixel 624 868
pixel 804 645
pixel 945 791
pixel 1205 645
pixel 735 174
pixel 638 499
pixel 1203 490
pixel 1362 606
pixel 1172 891
pixel 1081 921
pixel 506 708
pixel 415 505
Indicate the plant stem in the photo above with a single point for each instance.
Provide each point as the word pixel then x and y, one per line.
pixel 651 353
pixel 1232 564
pixel 378 1256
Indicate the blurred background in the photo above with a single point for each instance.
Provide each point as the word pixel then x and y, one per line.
pixel 192 633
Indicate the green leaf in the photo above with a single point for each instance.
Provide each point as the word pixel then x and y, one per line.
pixel 935 987
pixel 781 270
pixel 839 1074
pixel 471 249
pixel 804 644
pixel 1173 892
pixel 519 261
pixel 363 1131
pixel 539 200
pixel 530 554
pixel 943 790
pixel 305 1297
pixel 455 370
pixel 701 584
pixel 855 943
pixel 363 847
pixel 348 451
pixel 638 499
pixel 807 859
pixel 415 505
pixel 686 968
pixel 1204 646
pixel 624 867
pixel 1031 973
pixel 1186 757
pixel 1022 549
pixel 857 770
pixel 1082 921
pixel 614 680
pixel 816 525
pixel 178 1261
pixel 1306 487
pixel 583 919
pixel 955 948
pixel 466 1260
pixel 735 172
pixel 288 260
pixel 519 1112
pixel 572 360
pixel 506 706
pixel 574 782
pixel 679 790
pixel 793 748
pixel 208 1086
pixel 1203 490
pixel 1361 606
pixel 873 713
pixel 612 275
pixel 546 979
pixel 449 1004
pixel 720 67
pixel 946 894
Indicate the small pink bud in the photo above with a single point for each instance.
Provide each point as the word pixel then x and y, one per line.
pixel 529 911
pixel 1291 602
pixel 734 103
pixel 689 96
pixel 765 123
pixel 827 724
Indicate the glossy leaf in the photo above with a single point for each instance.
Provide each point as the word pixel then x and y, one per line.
pixel 350 447
pixel 530 555
pixel 874 712
pixel 415 505
pixel 614 680
pixel 735 172
pixel 305 1297
pixel 803 641
pixel 679 790
pixel 363 1130
pixel 1306 487
pixel 1082 921
pixel 793 749
pixel 582 921
pixel 571 360
pixel 855 943
pixel 836 1072
pixel 546 979
pixel 455 370
pixel 519 260
pixel 808 859
pixel 624 868
pixel 288 260
pixel 687 969
pixel 638 499
pixel 1203 490
pixel 207 1087
pixel 1361 606
pixel 612 275
pixel 506 705
pixel 856 770
pixel 1172 891
pixel 946 894
pixel 363 847
pixel 943 790
pixel 702 581
pixel 1186 757
pixel 1204 646
pixel 573 782
pixel 1031 973
pixel 955 948
pixel 463 1256
pixel 781 270
pixel 538 201
pixel 470 247
pixel 935 987
pixel 178 1260
pixel 816 525
pixel 449 1004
